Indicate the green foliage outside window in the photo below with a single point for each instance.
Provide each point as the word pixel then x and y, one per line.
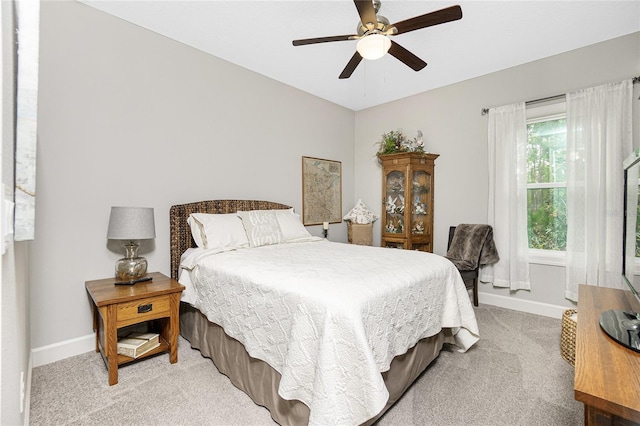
pixel 547 218
pixel 547 193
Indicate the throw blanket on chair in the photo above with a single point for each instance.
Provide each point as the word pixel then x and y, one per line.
pixel 472 246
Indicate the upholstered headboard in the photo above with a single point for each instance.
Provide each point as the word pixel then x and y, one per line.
pixel 180 232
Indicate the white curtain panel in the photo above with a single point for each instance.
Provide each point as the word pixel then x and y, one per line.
pixel 508 197
pixel 599 138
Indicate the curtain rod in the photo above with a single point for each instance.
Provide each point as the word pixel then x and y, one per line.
pixel 485 111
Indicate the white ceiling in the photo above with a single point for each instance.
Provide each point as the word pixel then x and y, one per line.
pixel 491 36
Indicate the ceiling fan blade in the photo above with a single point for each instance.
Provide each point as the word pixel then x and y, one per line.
pixel 441 16
pixel 323 39
pixel 351 66
pixel 367 13
pixel 406 57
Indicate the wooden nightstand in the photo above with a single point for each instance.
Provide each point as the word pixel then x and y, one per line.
pixel 117 306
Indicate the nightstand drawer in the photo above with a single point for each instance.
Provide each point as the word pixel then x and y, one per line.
pixel 143 309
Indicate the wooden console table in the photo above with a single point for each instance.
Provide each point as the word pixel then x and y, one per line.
pixel 607 376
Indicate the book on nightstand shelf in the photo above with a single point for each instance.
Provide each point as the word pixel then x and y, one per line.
pixel 136 344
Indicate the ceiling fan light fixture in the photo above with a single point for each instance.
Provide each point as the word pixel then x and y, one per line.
pixel 373 46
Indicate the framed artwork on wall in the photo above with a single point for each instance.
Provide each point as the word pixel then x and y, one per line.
pixel 321 191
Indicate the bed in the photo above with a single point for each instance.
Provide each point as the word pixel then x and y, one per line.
pixel 301 328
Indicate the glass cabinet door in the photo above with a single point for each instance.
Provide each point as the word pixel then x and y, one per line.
pixel 420 196
pixel 394 202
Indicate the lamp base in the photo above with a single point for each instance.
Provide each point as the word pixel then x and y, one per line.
pixel 129 269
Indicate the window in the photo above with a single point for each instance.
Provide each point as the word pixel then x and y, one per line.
pixel 546 179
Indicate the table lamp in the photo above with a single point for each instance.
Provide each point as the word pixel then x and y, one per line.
pixel 131 224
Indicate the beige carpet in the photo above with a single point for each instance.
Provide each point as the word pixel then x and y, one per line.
pixel 513 376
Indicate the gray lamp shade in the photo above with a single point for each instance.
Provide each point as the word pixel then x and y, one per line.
pixel 131 223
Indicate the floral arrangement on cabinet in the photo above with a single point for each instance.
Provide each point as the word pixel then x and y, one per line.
pixel 395 142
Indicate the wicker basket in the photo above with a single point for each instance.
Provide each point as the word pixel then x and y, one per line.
pixel 361 234
pixel 568 337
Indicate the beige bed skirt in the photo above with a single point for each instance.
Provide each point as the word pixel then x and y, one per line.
pixel 258 380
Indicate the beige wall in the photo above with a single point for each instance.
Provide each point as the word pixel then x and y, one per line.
pixel 453 127
pixel 128 117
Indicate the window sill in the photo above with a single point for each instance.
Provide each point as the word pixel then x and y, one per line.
pixel 559 258
pixel 547 257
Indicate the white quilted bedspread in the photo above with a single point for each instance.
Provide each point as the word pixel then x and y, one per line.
pixel 330 317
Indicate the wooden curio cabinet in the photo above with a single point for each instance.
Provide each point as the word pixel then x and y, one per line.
pixel 407 200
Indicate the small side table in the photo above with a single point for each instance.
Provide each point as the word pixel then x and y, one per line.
pixel 117 306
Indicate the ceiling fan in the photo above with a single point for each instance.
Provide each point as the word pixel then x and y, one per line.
pixel 373 31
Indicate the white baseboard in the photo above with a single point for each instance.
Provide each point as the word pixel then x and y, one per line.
pixel 57 351
pixel 528 306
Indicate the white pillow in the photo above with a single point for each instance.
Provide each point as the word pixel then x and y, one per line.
pixel 360 214
pixel 291 225
pixel 217 231
pixel 262 227
pixel 196 231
